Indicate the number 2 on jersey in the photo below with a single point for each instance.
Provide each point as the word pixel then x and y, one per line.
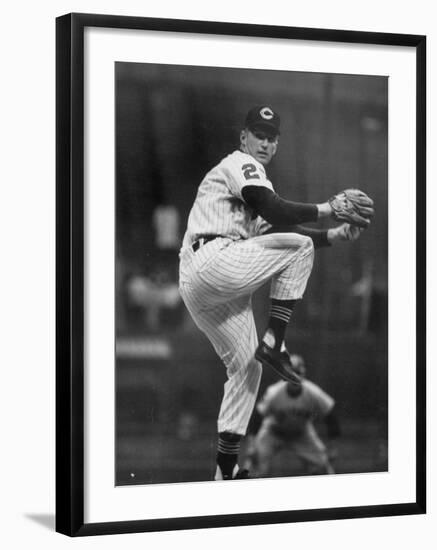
pixel 249 172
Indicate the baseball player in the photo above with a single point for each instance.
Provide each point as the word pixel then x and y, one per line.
pixel 241 234
pixel 287 413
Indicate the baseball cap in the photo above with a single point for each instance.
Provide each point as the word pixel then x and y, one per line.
pixel 263 117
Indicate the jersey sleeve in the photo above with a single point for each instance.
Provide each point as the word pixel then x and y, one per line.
pixel 322 402
pixel 242 170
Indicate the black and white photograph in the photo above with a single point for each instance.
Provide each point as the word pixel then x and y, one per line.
pixel 240 274
pixel 217 283
pixel 251 274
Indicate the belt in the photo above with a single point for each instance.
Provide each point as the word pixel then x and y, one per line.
pixel 202 241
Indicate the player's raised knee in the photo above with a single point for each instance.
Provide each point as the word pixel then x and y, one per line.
pixel 306 244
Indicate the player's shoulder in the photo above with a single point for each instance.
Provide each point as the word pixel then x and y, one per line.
pixel 239 159
pixel 311 387
pixel 276 388
pixel 279 385
pixel 314 390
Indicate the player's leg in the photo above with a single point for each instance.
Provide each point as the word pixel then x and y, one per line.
pixel 240 390
pixel 230 327
pixel 265 447
pixel 239 268
pixel 312 451
pixel 223 269
pixel 287 287
pixel 236 344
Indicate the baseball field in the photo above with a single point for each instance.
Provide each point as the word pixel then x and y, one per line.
pixel 170 458
pixel 166 408
pixel 173 124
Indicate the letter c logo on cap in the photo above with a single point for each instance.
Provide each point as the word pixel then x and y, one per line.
pixel 266 113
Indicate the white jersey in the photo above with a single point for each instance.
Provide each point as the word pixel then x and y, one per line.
pixel 219 208
pixel 290 415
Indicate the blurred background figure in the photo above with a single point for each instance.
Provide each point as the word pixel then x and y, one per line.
pixel 166 225
pixel 286 416
pixel 152 296
pixel 148 295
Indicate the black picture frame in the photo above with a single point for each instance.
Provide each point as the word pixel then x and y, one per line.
pixel 70 272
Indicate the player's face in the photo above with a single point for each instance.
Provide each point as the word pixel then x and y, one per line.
pixel 259 144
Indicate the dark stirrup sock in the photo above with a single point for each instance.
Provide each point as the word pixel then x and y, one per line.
pixel 227 452
pixel 280 314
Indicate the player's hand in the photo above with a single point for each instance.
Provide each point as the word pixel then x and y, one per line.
pixel 344 232
pixel 352 206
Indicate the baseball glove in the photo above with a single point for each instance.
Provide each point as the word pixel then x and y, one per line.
pixel 352 206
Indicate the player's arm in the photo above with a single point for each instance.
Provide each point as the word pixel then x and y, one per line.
pixel 324 407
pixel 352 206
pixel 248 180
pixel 263 406
pixel 320 237
pixel 278 211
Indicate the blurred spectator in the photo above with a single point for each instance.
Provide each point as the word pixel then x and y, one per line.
pixel 152 295
pixel 166 225
pixel 188 425
pixel 374 301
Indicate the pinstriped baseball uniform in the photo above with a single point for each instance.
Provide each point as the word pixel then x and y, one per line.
pixel 219 277
pixel 288 421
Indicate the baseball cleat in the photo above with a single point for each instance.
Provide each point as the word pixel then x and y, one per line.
pixel 236 474
pixel 279 361
pixel 242 474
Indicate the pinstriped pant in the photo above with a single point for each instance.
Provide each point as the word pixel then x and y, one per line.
pixel 216 284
